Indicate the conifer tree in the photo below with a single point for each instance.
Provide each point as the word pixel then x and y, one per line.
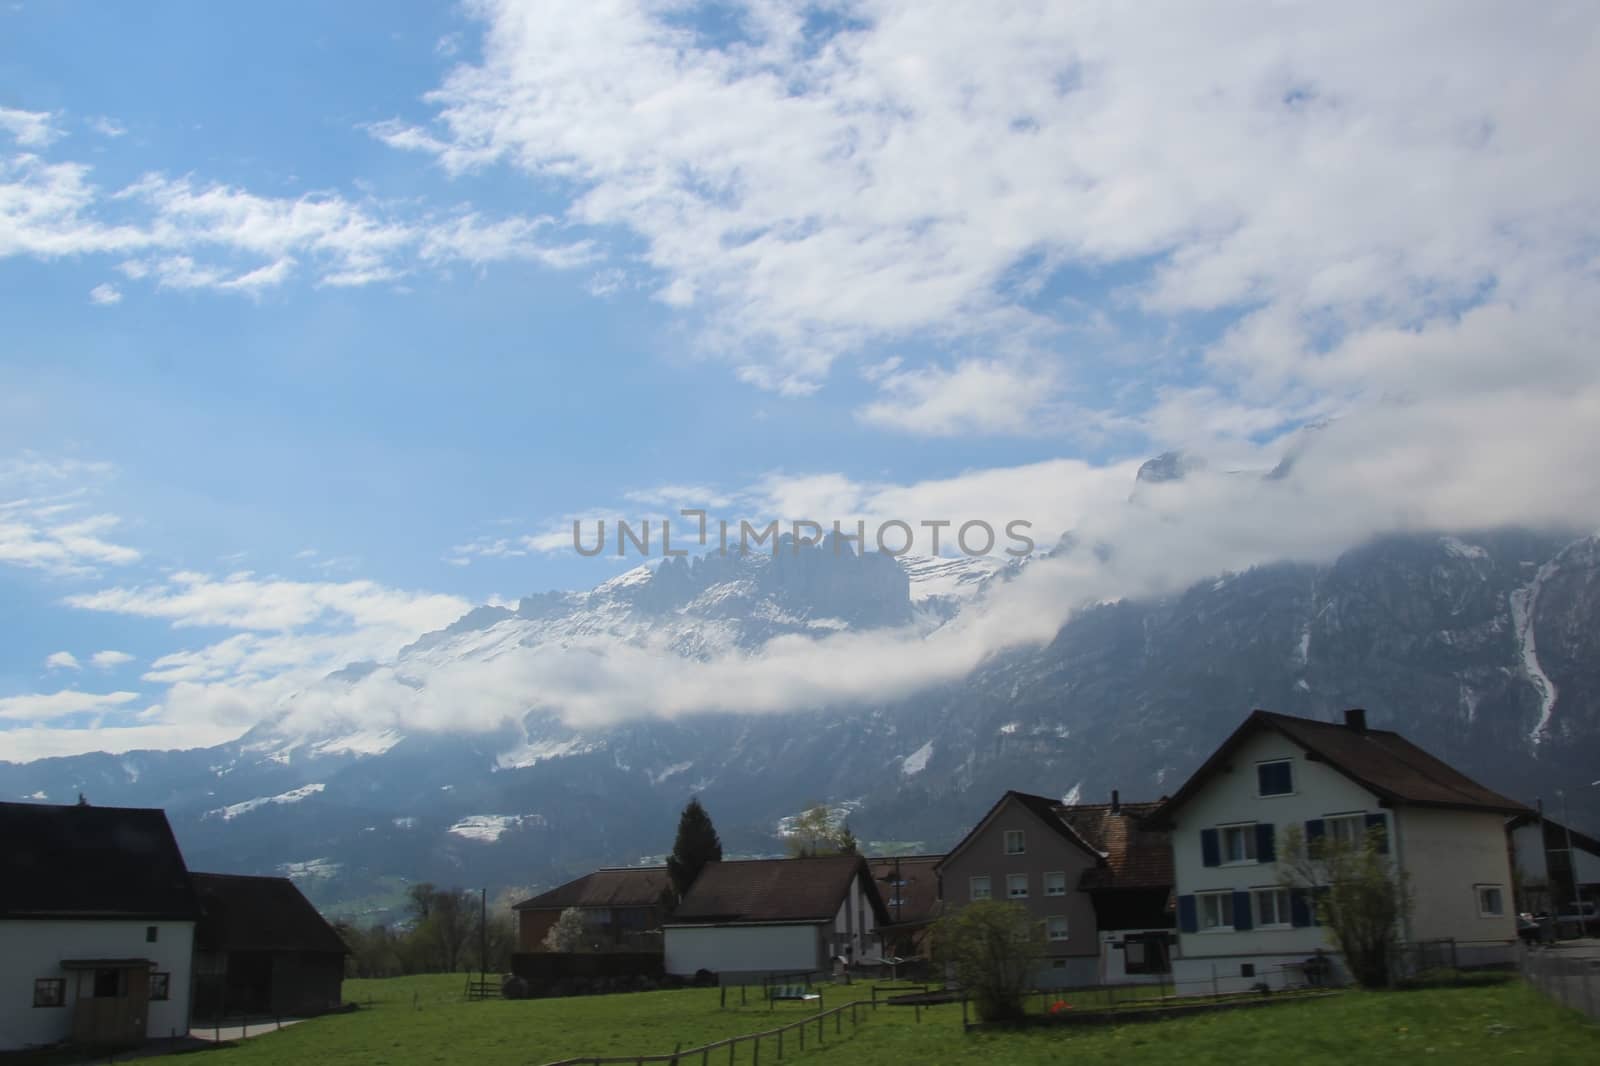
pixel 696 845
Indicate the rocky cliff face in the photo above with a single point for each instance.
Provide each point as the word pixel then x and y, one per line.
pixel 1483 648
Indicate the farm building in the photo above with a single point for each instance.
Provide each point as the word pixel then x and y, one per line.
pixel 622 910
pixel 97 919
pixel 776 916
pixel 262 948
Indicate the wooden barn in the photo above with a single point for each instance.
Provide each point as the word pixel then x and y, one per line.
pixel 262 949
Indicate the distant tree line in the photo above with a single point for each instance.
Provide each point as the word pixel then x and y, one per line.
pixel 443 932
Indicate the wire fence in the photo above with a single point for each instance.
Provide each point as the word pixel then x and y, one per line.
pixel 747 1047
pixel 1573 980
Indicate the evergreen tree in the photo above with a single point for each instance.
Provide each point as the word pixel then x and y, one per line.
pixel 696 845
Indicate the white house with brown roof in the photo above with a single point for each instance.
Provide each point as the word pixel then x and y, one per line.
pixel 776 916
pixel 1238 925
pixel 97 920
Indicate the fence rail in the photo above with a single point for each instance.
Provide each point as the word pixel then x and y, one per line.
pixel 702 1053
pixel 1573 980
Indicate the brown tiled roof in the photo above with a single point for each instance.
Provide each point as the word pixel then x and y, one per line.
pixel 775 890
pixel 1042 806
pixel 919 896
pixel 1137 855
pixel 632 886
pixel 91 862
pixel 239 913
pixel 1379 760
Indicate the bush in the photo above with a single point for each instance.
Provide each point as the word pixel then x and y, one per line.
pixel 992 947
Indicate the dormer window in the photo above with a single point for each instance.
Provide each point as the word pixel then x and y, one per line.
pixel 1275 778
pixel 1015 843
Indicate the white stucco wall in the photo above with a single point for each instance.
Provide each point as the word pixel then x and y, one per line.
pixel 745 948
pixel 1230 797
pixel 856 923
pixel 1446 854
pixel 31 950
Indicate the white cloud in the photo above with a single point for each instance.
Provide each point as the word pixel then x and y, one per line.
pixel 107 127
pixel 979 396
pixel 47 529
pixel 925 169
pixel 62 660
pixel 30 129
pixel 243 601
pixel 44 708
pixel 108 659
pixel 188 235
pixel 105 295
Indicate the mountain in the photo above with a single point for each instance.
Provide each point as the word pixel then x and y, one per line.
pixel 1482 648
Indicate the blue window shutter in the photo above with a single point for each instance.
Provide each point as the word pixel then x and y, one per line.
pixel 1380 823
pixel 1266 843
pixel 1315 829
pixel 1188 921
pixel 1210 852
pixel 1241 910
pixel 1299 908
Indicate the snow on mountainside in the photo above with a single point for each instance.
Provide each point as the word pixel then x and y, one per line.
pixel 1472 644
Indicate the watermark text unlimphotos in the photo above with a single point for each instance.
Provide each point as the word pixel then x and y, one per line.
pixel 894 537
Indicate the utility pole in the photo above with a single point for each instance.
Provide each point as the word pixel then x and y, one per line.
pixel 483 932
pixel 1572 866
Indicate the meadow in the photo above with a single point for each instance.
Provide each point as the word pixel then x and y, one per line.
pixel 424 1020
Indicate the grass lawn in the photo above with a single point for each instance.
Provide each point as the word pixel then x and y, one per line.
pixel 424 1020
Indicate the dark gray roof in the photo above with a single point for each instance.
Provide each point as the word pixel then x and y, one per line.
pixel 631 886
pixel 91 862
pixel 241 913
pixel 775 890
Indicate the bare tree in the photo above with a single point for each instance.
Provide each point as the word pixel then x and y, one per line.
pixel 1357 893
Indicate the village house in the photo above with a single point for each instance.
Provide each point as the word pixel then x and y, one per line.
pixel 1557 866
pixel 261 948
pixel 909 885
pixel 1094 877
pixel 777 916
pixel 1130 888
pixel 622 910
pixel 97 919
pixel 1239 925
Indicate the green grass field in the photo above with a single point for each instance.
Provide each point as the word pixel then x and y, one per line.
pixel 424 1020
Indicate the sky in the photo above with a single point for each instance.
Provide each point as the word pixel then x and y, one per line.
pixel 322 323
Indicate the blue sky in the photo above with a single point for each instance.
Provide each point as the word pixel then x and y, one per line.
pixel 351 307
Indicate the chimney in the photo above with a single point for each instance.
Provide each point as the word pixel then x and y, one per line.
pixel 1356 718
pixel 1116 802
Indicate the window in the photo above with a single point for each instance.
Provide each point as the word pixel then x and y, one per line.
pixel 108 984
pixel 160 986
pixel 1055 884
pixel 1056 926
pixel 150 934
pixel 896 901
pixel 979 888
pixel 1216 910
pixel 1058 964
pixel 1491 901
pixel 1239 843
pixel 1016 844
pixel 1272 907
pixel 50 992
pixel 1275 778
pixel 1348 829
pixel 1247 969
pixel 1017 886
pixel 1145 953
pixel 1134 956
